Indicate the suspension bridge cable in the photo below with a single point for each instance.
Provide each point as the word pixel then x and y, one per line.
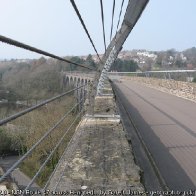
pixel 63 172
pixel 120 15
pixel 33 49
pixel 52 152
pixel 14 116
pixel 61 158
pixel 114 2
pixel 29 152
pixel 84 26
pixel 103 26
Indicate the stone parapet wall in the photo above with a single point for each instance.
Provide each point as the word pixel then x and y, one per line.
pixel 186 90
pixel 99 158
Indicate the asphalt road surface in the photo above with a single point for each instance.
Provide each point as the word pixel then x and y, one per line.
pixel 167 125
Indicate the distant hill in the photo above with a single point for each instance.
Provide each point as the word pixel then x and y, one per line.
pixel 32 79
pixel 41 78
pixel 35 79
pixel 159 60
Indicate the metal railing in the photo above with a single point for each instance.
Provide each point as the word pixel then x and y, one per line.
pixel 10 118
pixel 79 104
pixel 52 152
pixel 182 75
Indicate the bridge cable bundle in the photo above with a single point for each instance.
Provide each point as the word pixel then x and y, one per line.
pixel 120 15
pixel 23 112
pixel 33 49
pixel 114 2
pixel 103 26
pixel 110 59
pixel 47 133
pixel 54 149
pixel 63 172
pixel 84 26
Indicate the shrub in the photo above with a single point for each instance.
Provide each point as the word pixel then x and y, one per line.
pixel 5 142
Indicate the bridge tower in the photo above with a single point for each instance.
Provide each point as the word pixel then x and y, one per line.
pixel 133 13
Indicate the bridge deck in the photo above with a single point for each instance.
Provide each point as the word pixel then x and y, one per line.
pixel 98 156
pixel 168 127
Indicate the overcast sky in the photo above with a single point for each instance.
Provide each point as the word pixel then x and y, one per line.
pixel 53 26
